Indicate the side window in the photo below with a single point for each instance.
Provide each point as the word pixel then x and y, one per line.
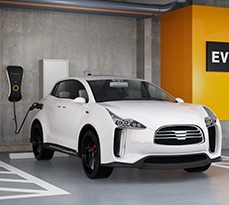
pixel 70 89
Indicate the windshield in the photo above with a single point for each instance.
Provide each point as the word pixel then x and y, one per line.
pixel 113 90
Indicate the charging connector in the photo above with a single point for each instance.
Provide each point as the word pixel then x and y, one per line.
pixel 35 105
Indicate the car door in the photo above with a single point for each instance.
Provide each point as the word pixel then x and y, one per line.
pixel 66 114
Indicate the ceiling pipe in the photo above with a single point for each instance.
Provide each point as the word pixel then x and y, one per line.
pixel 92 6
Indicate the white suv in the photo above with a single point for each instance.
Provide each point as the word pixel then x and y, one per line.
pixel 111 121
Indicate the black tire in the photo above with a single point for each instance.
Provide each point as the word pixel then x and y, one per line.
pixel 39 151
pixel 90 156
pixel 198 169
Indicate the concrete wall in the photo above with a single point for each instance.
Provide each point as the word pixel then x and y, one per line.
pixel 148 49
pixel 101 44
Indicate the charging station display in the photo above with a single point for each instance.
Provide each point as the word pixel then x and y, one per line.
pixel 14 74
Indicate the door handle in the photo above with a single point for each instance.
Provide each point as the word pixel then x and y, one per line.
pixel 61 106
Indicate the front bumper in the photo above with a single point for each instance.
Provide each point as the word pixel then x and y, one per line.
pixel 169 162
pixel 136 148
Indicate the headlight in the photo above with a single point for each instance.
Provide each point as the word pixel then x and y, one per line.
pixel 126 123
pixel 211 119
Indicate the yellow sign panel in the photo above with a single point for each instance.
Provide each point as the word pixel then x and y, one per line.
pixel 210 88
pixel 184 34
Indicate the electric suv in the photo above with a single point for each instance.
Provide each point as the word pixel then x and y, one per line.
pixel 111 121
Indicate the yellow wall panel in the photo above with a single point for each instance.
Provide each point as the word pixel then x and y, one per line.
pixel 184 33
pixel 210 88
pixel 176 53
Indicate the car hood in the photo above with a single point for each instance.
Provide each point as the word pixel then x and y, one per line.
pixel 154 114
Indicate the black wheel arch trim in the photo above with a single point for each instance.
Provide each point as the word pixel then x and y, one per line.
pixel 35 121
pixel 84 129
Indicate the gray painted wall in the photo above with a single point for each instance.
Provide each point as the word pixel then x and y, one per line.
pixel 101 44
pixel 148 49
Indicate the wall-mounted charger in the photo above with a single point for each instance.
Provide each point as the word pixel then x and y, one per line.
pixel 14 74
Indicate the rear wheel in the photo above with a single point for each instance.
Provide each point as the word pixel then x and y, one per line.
pixel 90 156
pixel 39 151
pixel 198 169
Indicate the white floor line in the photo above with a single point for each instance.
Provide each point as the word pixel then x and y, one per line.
pixel 5 172
pixel 48 189
pixel 33 191
pixel 24 155
pixel 223 164
pixel 29 155
pixel 15 180
pixel 23 196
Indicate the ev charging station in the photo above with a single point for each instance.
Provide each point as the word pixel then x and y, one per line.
pixel 14 76
pixel 51 70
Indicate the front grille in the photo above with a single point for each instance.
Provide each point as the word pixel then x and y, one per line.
pixel 179 135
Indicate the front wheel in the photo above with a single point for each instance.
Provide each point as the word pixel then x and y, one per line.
pixel 39 151
pixel 90 156
pixel 198 169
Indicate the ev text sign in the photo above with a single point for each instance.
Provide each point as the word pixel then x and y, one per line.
pixel 217 56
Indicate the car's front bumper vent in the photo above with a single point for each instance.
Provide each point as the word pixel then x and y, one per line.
pixel 212 138
pixel 179 135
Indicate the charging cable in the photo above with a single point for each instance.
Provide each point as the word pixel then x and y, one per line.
pixel 35 105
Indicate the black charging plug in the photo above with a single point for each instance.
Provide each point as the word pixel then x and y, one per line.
pixel 36 105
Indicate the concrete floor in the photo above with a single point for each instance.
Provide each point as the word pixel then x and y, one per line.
pixel 62 181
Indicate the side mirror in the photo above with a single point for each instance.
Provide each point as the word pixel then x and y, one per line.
pixel 179 100
pixel 79 100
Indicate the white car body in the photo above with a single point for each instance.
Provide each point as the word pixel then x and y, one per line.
pixel 63 119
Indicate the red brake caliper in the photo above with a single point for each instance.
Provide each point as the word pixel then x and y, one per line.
pixel 90 154
pixel 93 152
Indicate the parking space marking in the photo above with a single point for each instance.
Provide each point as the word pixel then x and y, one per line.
pixel 46 189
pixel 15 180
pixel 223 164
pixel 5 172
